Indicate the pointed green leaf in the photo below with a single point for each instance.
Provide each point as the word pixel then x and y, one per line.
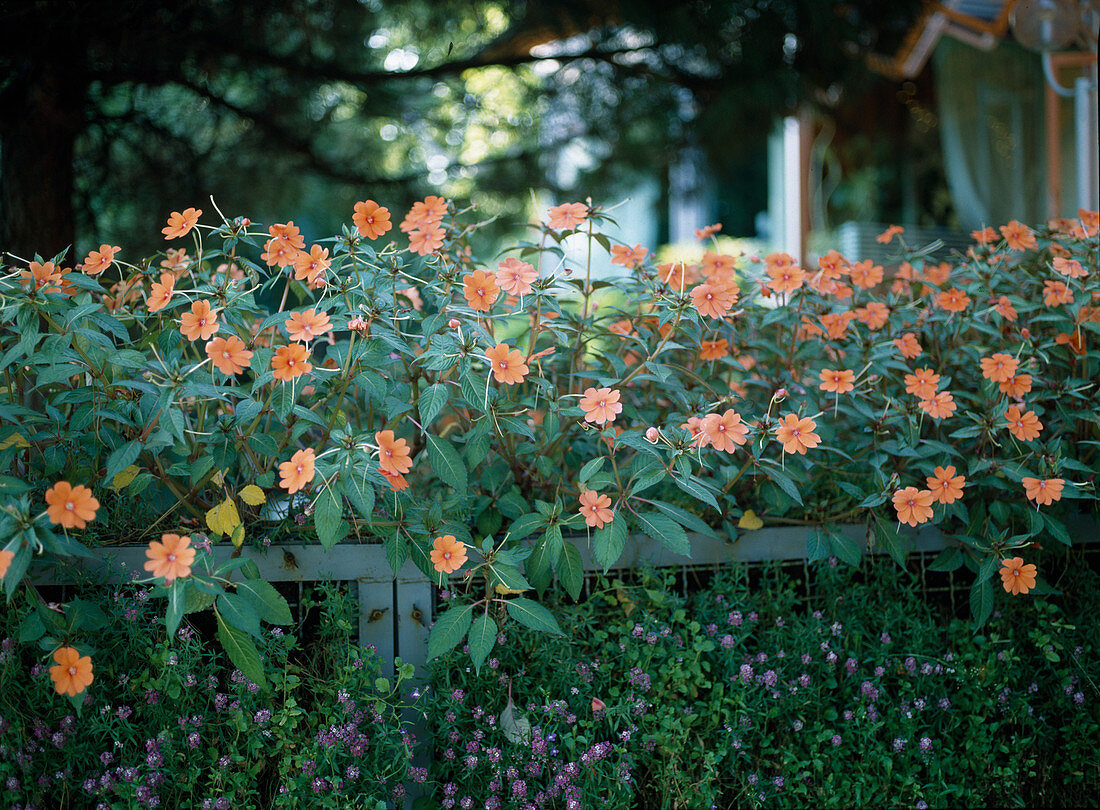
pixel 327 512
pixel 449 629
pixel 447 463
pixel 483 635
pixel 431 403
pixel 531 614
pixel 241 651
pixel 570 571
pixel 608 543
pixel 268 603
pixel 238 612
pixel 665 531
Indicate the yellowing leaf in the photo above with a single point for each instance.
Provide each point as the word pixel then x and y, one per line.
pixel 124 478
pixel 14 440
pixel 223 518
pixel 506 591
pixel 252 495
pixel 625 601
pixel 217 478
pixel 237 537
pixel 750 521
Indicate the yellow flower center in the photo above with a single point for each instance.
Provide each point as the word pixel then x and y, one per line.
pixel 70 506
pixel 72 670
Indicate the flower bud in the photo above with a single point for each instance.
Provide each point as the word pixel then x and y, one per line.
pixel 780 393
pixel 1025 333
pixel 454 323
pixel 598 705
pixel 652 434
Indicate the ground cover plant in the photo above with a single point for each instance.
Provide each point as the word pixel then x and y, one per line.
pixel 489 419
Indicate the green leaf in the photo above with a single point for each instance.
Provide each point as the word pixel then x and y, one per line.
pixel 531 614
pixel 361 496
pixel 196 601
pixel 508 576
pixel 608 543
pixel 122 458
pixel 241 651
pixel 981 601
pixel 526 524
pixel 268 603
pixel 685 518
pixel 432 401
pixel 696 488
pixel 590 468
pixel 327 512
pixel 1057 528
pixel 449 629
pixel 665 531
pixel 238 612
pixel 176 601
pixel 447 463
pixel 783 481
pixel 483 635
pixel 948 560
pixel 397 551
pixel 817 545
pixel 846 548
pixel 570 571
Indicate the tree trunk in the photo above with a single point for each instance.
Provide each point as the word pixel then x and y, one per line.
pixel 40 116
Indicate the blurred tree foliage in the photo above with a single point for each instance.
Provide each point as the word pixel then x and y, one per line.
pixel 114 112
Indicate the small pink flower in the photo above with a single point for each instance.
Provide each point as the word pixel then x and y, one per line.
pixel 598 705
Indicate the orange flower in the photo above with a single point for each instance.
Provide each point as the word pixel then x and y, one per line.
pixel 99 260
pixel 922 383
pixel 394 456
pixel 280 252
pixel 887 236
pixel 1016 386
pixel 426 215
pixel 595 508
pixel 200 323
pixel 913 506
pixel 866 274
pixel 1055 293
pixel 677 275
pixel 797 434
pixel 1018 236
pixel 945 485
pixel 1076 341
pixel 837 381
pixel 295 474
pixel 1017 577
pixel 1004 308
pixel 73 672
pixel 413 294
pixel 44 275
pixel 567 216
pixel 875 315
pixel 953 300
pixel 516 277
pixel 71 507
pixel 507 363
pixel 908 346
pixel 290 362
pixel 600 406
pixel 984 236
pixel 480 289
pixel 726 432
pixel 305 326
pixel 5 562
pixel 714 349
pixel 311 266
pixel 396 482
pixel 1025 426
pixel 785 278
pixel 939 406
pixel 160 294
pixel 999 367
pixel 707 230
pixel 1043 492
pixel 628 257
pixel 290 232
pixel 448 554
pixel 712 300
pixel 1070 267
pixel 176 260
pixel 836 323
pixel 371 219
pixel 425 241
pixel 937 273
pixel 171 558
pixel 181 224
pixel 228 355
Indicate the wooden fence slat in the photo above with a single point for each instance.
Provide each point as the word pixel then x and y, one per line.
pixel 376 621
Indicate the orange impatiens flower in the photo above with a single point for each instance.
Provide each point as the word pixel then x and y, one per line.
pixel 953 300
pixel 1024 426
pixel 5 562
pixel 945 485
pixel 714 349
pixel 426 241
pixel 1004 308
pixel 310 267
pixel 480 289
pixel 42 276
pixel 288 231
pixel 908 346
pixel 371 219
pixel 600 406
pixel 200 323
pixel 171 558
pixel 516 277
pixel 887 236
pixel 797 435
pixel 69 506
pixel 874 315
pixel 99 260
pixel 836 323
pixel 725 432
pixel 866 274
pixel 914 506
pixel 180 224
pixel 1043 491
pixel 922 383
pixel 448 554
pixel 229 355
pixel 999 367
pixel 1076 341
pixel 426 215
pixel 73 672
pixel 837 381
pixel 305 326
pixel 984 236
pixel 1070 268
pixel 280 252
pixel 596 509
pixel 628 257
pixel 161 293
pixel 1018 236
pixel 394 456
pixel 939 406
pixel 1056 292
pixel 567 216
pixel 785 278
pixel 296 474
pixel 290 362
pixel 712 300
pixel 1016 386
pixel 707 230
pixel 397 482
pixel 1017 577
pixel 507 363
